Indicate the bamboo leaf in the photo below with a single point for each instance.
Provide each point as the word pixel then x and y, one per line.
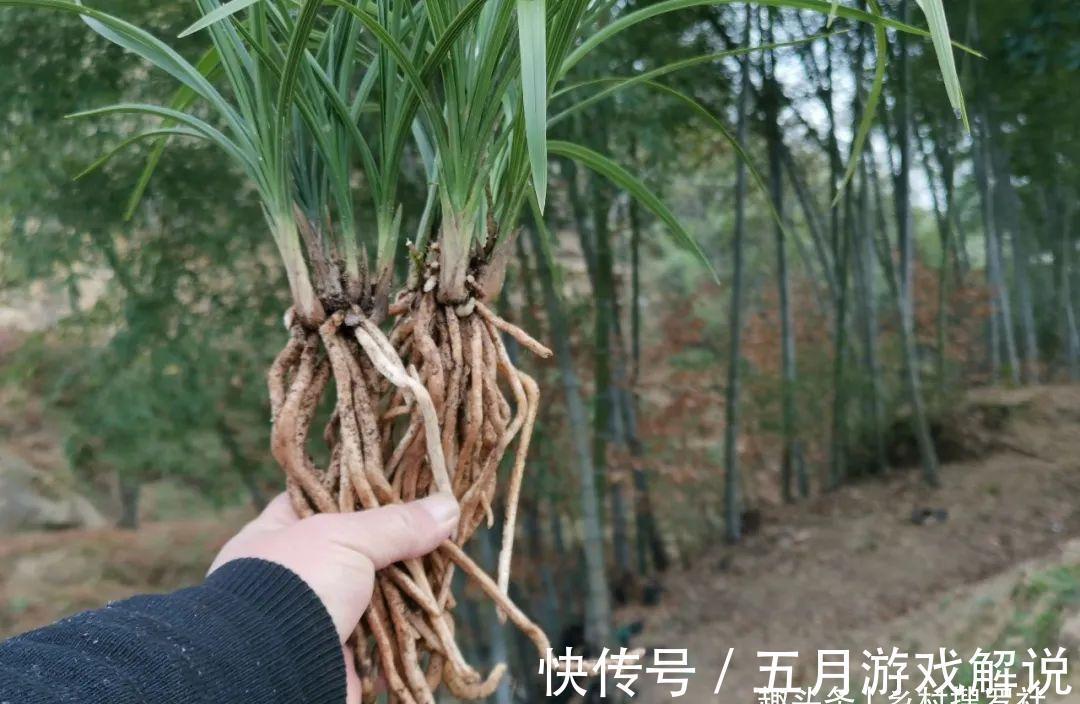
pixel 630 183
pixel 227 10
pixel 532 33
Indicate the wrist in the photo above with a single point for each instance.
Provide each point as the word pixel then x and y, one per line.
pixel 298 631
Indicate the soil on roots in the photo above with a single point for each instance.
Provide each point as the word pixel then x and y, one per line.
pixel 433 406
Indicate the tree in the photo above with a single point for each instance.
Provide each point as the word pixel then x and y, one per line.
pixel 142 356
pixel 732 499
pixel 447 98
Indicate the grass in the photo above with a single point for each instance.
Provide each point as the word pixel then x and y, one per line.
pixel 1042 603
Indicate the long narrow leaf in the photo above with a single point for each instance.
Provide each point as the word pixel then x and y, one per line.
pixel 649 11
pixel 200 126
pixel 740 150
pixel 148 134
pixel 227 10
pixel 532 33
pixel 638 190
pixel 143 44
pixel 291 70
pixel 832 13
pixel 449 36
pixel 615 84
pixel 943 47
pixel 413 75
pixel 181 100
pixel 866 123
pixel 345 116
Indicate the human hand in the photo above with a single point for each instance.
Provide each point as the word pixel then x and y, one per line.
pixel 337 554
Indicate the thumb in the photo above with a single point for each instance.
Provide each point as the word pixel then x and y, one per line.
pixel 391 533
pixel 338 554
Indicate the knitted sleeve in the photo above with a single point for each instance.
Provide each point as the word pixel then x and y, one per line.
pixel 252 632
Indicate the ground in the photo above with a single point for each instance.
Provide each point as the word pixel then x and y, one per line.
pixel 847 570
pixel 49 575
pixel 852 570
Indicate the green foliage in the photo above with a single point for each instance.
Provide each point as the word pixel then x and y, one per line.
pixel 348 118
pixel 1040 605
pixel 147 378
pixel 283 73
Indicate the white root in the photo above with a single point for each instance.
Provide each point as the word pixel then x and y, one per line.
pixel 385 359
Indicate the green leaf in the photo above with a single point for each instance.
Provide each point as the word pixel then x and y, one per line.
pixel 832 13
pixel 345 117
pixel 615 84
pixel 449 36
pixel 141 43
pixel 866 122
pixel 824 7
pixel 162 56
pixel 740 150
pixel 200 126
pixel 943 47
pixel 227 10
pixel 181 100
pixel 290 71
pixel 154 133
pixel 532 33
pixel 630 183
pixel 406 64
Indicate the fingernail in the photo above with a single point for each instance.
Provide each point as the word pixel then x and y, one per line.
pixel 443 508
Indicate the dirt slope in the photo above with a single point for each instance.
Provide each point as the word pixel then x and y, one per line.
pixel 49 575
pixel 852 570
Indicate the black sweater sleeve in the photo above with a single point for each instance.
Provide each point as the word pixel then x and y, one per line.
pixel 253 632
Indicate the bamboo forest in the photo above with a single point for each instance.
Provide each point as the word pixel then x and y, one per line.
pixel 743 336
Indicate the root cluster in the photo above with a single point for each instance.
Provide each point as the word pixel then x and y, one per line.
pixel 433 406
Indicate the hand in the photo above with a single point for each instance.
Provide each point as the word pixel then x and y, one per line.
pixel 337 554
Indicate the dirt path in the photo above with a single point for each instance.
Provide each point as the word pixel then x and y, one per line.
pixel 852 570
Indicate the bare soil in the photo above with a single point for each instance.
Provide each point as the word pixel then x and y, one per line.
pixel 853 570
pixel 46 576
